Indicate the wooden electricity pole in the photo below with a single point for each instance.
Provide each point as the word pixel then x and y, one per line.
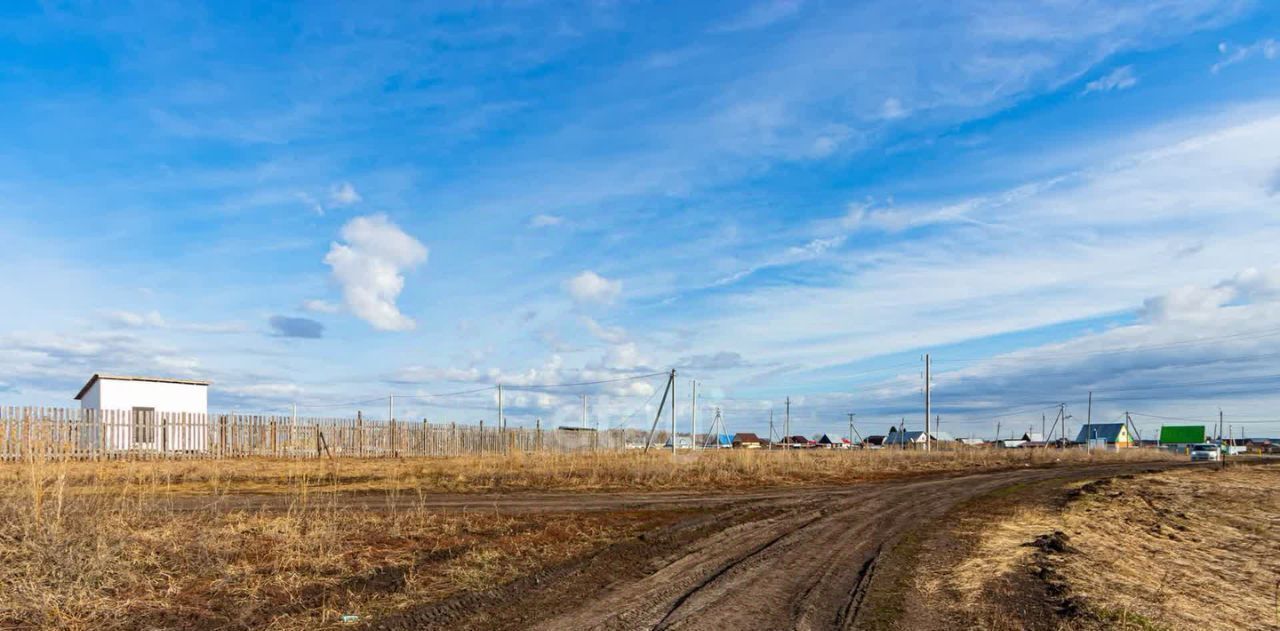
pixel 658 416
pixel 693 412
pixel 771 437
pixel 673 412
pixel 1088 424
pixel 927 402
pixel 786 425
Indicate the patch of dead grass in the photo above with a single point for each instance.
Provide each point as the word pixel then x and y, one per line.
pixel 605 471
pixel 128 560
pixel 108 545
pixel 1185 549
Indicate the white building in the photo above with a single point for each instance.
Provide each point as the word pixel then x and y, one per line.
pixel 147 412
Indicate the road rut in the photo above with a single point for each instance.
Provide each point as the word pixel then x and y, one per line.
pixel 798 560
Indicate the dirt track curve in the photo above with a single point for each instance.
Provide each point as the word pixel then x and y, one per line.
pixel 801 559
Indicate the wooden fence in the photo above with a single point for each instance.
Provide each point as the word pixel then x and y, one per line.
pixel 72 433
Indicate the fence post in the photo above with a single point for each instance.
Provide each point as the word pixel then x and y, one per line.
pixel 360 432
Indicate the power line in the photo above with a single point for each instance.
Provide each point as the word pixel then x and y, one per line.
pixel 1245 380
pixel 444 394
pixel 583 383
pixel 1205 340
pixel 339 405
pixel 1200 420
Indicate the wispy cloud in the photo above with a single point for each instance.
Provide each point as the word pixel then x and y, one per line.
pixel 320 306
pixel 343 194
pixel 1121 78
pixel 1232 54
pixel 153 319
pixel 543 220
pixel 892 109
pixel 760 15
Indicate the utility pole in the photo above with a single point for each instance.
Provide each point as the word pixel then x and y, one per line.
pixel 666 390
pixel 673 412
pixel 997 431
pixel 927 402
pixel 851 415
pixel 1043 435
pixel 1219 426
pixel 786 425
pixel 1230 438
pixel 1088 427
pixel 584 410
pixel 1062 412
pixel 770 429
pixel 693 412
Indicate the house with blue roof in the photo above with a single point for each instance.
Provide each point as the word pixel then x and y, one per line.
pixel 897 438
pixel 1115 435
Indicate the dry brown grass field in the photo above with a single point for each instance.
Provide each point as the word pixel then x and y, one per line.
pixel 710 471
pixel 108 545
pixel 1191 548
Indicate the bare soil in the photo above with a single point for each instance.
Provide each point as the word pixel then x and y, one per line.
pixel 832 558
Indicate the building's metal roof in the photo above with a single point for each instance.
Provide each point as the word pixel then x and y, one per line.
pixel 1108 431
pixel 1188 434
pixel 100 376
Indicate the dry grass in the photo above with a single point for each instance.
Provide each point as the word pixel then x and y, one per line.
pixel 1182 549
pixel 108 545
pixel 1190 549
pixel 123 557
pixel 610 471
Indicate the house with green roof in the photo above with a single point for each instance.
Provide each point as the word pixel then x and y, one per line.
pixel 1180 438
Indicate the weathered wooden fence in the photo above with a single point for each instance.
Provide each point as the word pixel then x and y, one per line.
pixel 72 433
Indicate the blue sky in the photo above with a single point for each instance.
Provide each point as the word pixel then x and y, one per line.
pixel 322 204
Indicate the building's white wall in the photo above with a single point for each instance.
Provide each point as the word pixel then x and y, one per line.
pixel 164 397
pixel 180 422
pixel 92 399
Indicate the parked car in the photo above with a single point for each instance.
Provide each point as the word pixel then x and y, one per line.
pixel 1205 452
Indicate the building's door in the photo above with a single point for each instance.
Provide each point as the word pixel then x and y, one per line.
pixel 144 431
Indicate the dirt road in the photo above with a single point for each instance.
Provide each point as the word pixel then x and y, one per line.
pixel 802 559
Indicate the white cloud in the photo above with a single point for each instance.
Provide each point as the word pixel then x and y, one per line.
pixel 1073 246
pixel 1189 302
pixel 545 221
pixel 623 357
pixel 320 306
pixel 430 374
pixel 343 194
pixel 608 334
pixel 370 268
pixel 1121 78
pixel 1268 48
pixel 761 14
pixel 311 202
pixel 153 320
pixel 590 287
pixel 892 109
pixel 135 320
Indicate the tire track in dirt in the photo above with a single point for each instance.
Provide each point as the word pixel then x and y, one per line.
pixel 803 560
